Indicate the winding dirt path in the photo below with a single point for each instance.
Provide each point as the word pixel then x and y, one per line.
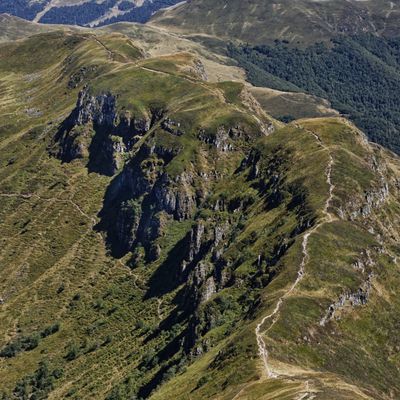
pixel 274 315
pixel 110 54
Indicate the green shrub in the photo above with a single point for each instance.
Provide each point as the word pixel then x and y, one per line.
pixel 203 380
pixel 72 352
pixel 38 385
pixel 24 343
pixel 50 330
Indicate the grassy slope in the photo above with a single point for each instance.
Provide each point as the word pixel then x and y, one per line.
pixel 55 268
pixel 157 42
pixel 14 28
pixel 58 248
pixel 298 105
pixel 48 210
pixel 352 356
pixel 263 21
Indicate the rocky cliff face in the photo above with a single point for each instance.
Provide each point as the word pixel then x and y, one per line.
pixel 96 130
pixel 365 265
pixel 155 184
pixel 153 178
pixel 158 183
pixel 100 110
pixel 136 200
pixel 208 267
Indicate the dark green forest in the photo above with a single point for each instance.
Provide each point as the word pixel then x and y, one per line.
pixel 84 13
pixel 360 75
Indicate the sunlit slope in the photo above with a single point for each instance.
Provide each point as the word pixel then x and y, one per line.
pixel 158 42
pixel 55 268
pixel 152 220
pixel 262 21
pixel 327 319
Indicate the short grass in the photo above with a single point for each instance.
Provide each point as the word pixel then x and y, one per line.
pixel 117 316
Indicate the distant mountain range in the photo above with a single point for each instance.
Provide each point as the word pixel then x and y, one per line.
pixel 84 13
pixel 297 21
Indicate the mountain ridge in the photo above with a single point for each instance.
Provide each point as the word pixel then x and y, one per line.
pixel 168 197
pixel 302 22
pixel 164 236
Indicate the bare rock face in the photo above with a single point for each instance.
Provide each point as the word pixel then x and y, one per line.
pixel 171 126
pixel 99 109
pixel 373 199
pixel 196 241
pixel 127 223
pixel 209 289
pixel 206 272
pixel 223 139
pixel 95 130
pixel 175 196
pixel 127 124
pixel 200 70
pixel 140 193
pixel 202 283
pixel 350 299
pixel 220 139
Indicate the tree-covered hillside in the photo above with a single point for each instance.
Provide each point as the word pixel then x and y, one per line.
pixel 89 12
pixel 360 75
pixel 21 8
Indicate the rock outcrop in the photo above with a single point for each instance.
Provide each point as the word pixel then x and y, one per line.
pixel 373 198
pixel 100 109
pixel 140 193
pixel 350 299
pixel 98 131
pixel 223 139
pixel 206 241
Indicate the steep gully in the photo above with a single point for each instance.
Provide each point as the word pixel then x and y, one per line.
pixel 274 315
